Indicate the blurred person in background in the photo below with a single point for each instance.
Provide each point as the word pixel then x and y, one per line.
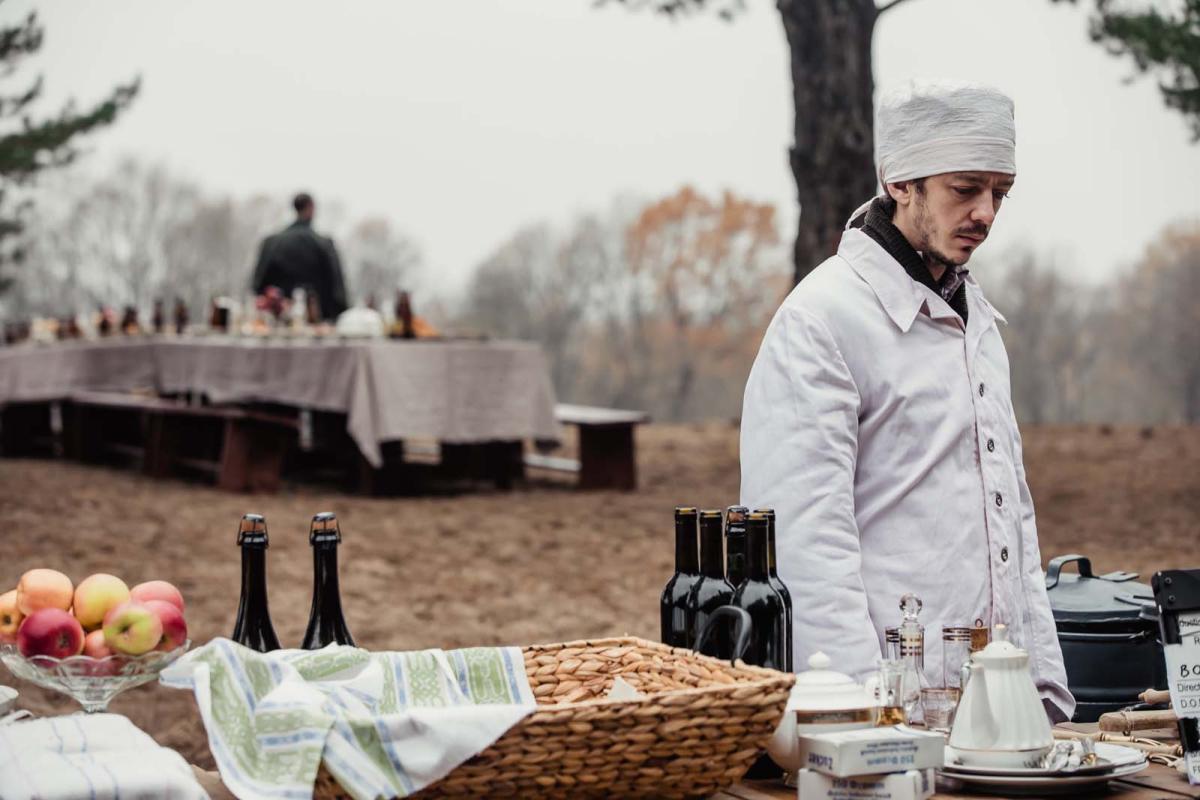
pixel 298 258
pixel 878 418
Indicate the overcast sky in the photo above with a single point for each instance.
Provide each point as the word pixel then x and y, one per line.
pixel 462 120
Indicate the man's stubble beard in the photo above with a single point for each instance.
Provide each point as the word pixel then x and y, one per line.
pixel 926 231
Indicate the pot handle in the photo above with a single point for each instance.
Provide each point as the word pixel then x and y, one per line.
pixel 742 626
pixel 1058 562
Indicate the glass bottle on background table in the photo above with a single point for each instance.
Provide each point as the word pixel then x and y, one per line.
pixel 180 315
pixel 677 627
pixel 326 623
pixel 158 319
pixel 735 544
pixel 712 590
pixel 777 582
pixel 756 596
pixel 253 627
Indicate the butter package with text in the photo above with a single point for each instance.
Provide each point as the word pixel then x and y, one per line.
pixel 871 751
pixel 915 784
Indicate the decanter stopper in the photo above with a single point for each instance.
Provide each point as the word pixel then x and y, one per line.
pixel 912 632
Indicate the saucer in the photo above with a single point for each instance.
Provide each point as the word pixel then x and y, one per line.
pixel 1061 783
pixel 1110 757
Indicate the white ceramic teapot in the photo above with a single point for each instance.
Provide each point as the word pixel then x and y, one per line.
pixel 821 701
pixel 1000 720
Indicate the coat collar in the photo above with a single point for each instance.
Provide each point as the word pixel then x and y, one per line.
pixel 897 293
pixel 901 297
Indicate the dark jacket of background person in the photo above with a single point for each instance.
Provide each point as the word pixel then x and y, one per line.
pixel 297 257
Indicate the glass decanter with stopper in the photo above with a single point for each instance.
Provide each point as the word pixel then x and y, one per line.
pixel 912 655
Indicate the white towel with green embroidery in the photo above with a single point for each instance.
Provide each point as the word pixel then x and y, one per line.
pixel 385 724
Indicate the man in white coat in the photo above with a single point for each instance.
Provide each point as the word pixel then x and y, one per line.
pixel 878 417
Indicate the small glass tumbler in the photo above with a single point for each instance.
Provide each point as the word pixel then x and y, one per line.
pixel 939 706
pixel 889 692
pixel 956 651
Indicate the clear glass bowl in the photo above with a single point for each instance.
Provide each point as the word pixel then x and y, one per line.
pixel 92 682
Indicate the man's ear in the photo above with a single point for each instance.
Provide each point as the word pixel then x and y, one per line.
pixel 901 192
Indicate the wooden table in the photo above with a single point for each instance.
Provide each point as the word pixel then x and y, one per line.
pixel 1155 782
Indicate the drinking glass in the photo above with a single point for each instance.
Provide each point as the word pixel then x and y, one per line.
pixel 939 706
pixel 891 643
pixel 889 692
pixel 956 651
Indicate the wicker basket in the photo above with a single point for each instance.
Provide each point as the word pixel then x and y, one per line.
pixel 698 729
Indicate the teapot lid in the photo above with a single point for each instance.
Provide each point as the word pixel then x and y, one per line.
pixel 821 689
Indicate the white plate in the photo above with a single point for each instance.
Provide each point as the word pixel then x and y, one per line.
pixel 1044 784
pixel 1113 756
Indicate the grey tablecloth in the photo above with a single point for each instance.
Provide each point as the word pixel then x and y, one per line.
pixel 451 391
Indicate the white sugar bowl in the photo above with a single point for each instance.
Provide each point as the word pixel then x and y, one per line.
pixel 822 701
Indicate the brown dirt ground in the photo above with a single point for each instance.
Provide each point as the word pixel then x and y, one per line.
pixel 540 564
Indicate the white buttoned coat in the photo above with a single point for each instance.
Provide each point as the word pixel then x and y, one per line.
pixel 882 432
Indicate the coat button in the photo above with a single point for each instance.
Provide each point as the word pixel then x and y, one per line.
pixel 1004 554
pixel 981 390
pixel 999 500
pixel 991 446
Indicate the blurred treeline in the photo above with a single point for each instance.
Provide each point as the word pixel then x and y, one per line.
pixel 650 304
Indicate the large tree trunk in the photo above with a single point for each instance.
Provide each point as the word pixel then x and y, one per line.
pixel 832 158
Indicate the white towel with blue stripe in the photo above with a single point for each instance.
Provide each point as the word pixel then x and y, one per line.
pixel 90 757
pixel 384 724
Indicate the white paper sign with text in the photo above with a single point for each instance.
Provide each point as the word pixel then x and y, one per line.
pixel 1183 679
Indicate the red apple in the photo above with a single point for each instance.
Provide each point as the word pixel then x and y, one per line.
pixel 50 632
pixel 132 628
pixel 44 588
pixel 157 590
pixel 95 647
pixel 174 628
pixel 95 595
pixel 10 617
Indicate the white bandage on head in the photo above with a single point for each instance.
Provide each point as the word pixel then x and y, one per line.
pixel 925 129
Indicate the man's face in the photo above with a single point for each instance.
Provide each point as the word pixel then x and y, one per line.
pixel 951 214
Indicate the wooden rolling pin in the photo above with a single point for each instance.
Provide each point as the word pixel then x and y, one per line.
pixel 1129 721
pixel 1153 697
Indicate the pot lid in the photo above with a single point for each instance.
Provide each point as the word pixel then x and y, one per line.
pixel 1086 597
pixel 821 689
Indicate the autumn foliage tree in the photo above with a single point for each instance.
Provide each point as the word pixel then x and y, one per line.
pixel 660 308
pixel 699 285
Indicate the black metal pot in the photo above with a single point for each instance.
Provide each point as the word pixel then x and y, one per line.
pixel 1108 629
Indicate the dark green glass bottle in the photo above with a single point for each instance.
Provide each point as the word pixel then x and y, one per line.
pixel 326 624
pixel 253 627
pixel 712 590
pixel 677 627
pixel 777 582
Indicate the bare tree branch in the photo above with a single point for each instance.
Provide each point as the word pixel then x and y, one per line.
pixel 888 6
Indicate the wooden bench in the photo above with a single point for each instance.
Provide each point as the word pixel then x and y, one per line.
pixel 30 428
pixel 243 448
pixel 607 457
